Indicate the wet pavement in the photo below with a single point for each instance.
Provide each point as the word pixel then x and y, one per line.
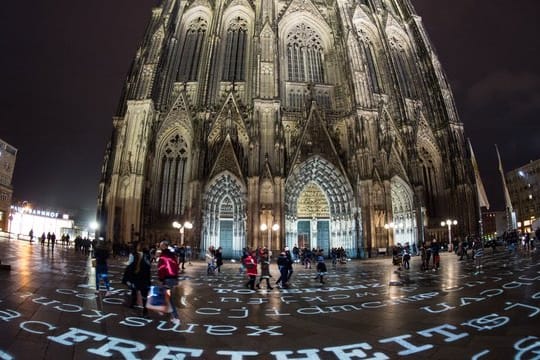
pixel 365 310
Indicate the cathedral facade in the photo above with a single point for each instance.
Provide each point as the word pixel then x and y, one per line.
pixel 317 123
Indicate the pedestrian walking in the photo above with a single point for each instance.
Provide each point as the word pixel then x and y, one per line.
pixel 168 275
pixel 101 255
pixel 478 248
pixel 265 269
pixel 321 267
pixel 406 258
pixel 137 275
pixel 218 255
pixel 435 249
pixel 250 263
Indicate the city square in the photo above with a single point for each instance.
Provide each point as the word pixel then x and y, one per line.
pixel 253 137
pixel 366 309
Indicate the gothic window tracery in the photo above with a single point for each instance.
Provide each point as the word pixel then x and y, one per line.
pixel 404 69
pixel 173 176
pixel 226 208
pixel 304 55
pixel 235 50
pixel 403 213
pixel 370 59
pixel 429 175
pixel 191 51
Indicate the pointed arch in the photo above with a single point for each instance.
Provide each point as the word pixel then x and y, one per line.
pixel 337 189
pixel 403 212
pixel 430 166
pixel 194 36
pixel 172 167
pixel 237 28
pixel 304 55
pixel 403 59
pixel 371 57
pixel 224 214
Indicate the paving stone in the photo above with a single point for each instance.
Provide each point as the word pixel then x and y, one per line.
pixel 48 310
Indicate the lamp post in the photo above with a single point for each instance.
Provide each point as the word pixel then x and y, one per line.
pixel 181 228
pixel 94 226
pixel 389 227
pixel 275 229
pixel 264 228
pixel 449 223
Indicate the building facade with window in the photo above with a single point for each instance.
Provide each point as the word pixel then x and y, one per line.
pixel 524 189
pixel 8 156
pixel 280 123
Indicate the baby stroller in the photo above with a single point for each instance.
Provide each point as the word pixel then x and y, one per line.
pixel 211 269
pixel 397 259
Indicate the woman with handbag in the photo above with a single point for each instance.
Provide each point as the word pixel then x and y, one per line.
pixel 168 275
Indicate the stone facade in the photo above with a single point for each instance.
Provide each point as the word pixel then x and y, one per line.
pixel 275 123
pixel 8 156
pixel 524 189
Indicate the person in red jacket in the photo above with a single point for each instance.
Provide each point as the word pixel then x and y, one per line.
pixel 168 275
pixel 250 262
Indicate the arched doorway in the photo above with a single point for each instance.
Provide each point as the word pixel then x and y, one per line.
pixel 403 213
pixel 319 208
pixel 313 218
pixel 224 222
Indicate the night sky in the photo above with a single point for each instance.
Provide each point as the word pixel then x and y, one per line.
pixel 64 63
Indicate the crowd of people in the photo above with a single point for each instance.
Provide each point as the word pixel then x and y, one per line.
pixel 256 263
pixel 251 260
pixel 49 239
pixel 471 247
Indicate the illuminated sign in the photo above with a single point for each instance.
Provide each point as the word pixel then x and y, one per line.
pixel 37 212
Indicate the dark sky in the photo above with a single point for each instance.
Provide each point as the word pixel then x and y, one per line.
pixel 63 66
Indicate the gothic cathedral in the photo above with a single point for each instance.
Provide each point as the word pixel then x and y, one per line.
pixel 316 123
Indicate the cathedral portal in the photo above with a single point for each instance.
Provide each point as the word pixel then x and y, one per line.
pixel 224 215
pixel 320 208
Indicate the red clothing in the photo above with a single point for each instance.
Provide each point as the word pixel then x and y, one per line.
pixel 251 265
pixel 167 265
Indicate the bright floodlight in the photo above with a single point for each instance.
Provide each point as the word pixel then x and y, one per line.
pixel 264 227
pixel 188 225
pixel 94 225
pixel 275 227
pixel 176 225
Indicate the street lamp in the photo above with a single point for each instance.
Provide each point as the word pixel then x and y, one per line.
pixel 449 223
pixel 264 228
pixel 94 226
pixel 389 227
pixel 181 227
pixel 275 228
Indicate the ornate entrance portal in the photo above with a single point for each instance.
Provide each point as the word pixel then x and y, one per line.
pixel 313 219
pixel 404 215
pixel 319 208
pixel 224 216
